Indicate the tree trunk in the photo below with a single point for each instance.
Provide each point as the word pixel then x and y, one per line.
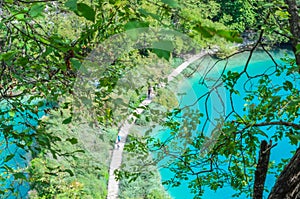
pixel 294 26
pixel 287 185
pixel 261 169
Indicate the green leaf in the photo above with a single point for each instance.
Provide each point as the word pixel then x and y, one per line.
pixel 36 10
pixel 75 63
pixel 19 176
pixel 136 24
pixel 298 49
pixel 171 3
pixel 20 17
pixel 205 31
pixel 8 55
pixel 7 168
pixel 69 171
pixel 163 49
pixel 86 11
pixel 11 113
pixel 262 133
pixel 67 121
pixel 79 151
pixel 268 5
pixel 229 35
pixel 294 138
pixel 72 140
pixel 288 85
pixel 72 5
pixel 163 45
pixel 9 157
pixel 145 13
pixel 162 53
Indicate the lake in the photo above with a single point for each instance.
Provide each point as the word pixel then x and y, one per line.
pixel 12 155
pixel 189 90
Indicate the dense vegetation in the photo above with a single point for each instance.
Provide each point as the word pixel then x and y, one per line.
pixel 49 48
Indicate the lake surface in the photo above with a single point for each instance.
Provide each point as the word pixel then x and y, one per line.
pixel 22 123
pixel 189 90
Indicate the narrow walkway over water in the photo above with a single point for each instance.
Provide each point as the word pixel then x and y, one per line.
pixel 116 160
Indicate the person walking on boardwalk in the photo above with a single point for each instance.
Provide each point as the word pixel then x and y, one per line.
pixel 149 92
pixel 118 141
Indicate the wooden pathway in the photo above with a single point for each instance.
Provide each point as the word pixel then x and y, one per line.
pixel 116 160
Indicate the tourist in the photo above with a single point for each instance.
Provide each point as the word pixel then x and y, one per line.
pixel 118 141
pixel 149 92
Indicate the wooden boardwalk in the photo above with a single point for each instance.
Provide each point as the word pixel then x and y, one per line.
pixel 116 160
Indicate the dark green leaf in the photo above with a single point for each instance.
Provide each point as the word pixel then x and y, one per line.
pixel 67 121
pixel 72 140
pixel 9 157
pixel 76 63
pixel 20 176
pixel 86 11
pixel 79 151
pixel 69 171
pixel 288 85
pixel 8 55
pixel 205 31
pixel 298 49
pixel 162 53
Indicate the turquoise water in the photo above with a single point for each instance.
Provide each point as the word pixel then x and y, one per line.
pixel 23 123
pixel 217 106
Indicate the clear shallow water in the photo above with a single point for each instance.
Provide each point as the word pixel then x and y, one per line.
pixel 259 63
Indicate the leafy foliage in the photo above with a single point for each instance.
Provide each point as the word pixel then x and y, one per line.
pixel 42 47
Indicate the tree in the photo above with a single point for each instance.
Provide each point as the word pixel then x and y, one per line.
pixel 40 59
pixel 238 133
pixel 40 65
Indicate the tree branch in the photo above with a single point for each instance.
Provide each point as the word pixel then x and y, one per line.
pixel 261 169
pixel 288 183
pixel 282 123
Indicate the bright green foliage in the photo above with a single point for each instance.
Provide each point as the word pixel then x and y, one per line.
pixel 42 46
pixel 78 170
pixel 239 15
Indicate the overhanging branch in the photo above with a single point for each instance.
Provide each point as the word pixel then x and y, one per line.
pixel 275 123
